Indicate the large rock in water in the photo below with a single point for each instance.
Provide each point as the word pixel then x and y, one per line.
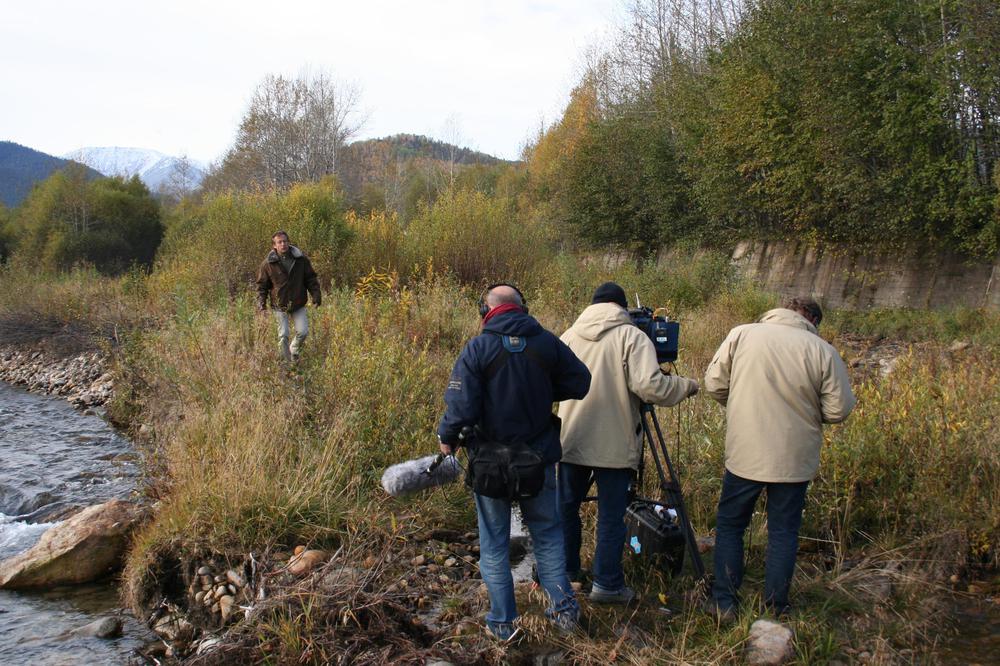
pixel 86 547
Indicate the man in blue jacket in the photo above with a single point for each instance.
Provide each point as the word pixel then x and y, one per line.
pixel 505 382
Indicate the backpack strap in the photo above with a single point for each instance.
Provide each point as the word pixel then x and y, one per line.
pixel 514 344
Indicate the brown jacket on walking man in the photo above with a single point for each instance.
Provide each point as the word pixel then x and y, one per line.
pixel 285 278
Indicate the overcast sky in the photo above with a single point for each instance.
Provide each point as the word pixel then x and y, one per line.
pixel 176 76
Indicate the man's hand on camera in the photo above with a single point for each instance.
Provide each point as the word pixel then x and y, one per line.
pixel 446 449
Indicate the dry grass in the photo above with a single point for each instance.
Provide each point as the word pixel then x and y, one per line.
pixel 246 455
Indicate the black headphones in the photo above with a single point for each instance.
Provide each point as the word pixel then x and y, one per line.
pixel 484 309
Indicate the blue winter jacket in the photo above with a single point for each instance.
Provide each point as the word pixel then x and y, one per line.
pixel 515 404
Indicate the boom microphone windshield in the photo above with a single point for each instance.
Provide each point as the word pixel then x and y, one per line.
pixel 415 475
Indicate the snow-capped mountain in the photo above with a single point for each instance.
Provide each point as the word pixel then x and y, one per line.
pixel 154 168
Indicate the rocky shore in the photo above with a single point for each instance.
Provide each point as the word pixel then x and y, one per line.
pixel 83 379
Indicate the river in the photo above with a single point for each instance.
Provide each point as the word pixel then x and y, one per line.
pixel 54 458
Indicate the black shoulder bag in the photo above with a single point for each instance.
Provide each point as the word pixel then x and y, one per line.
pixel 506 470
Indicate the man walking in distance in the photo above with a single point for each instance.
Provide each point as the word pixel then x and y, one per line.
pixel 504 383
pixel 779 382
pixel 602 435
pixel 285 276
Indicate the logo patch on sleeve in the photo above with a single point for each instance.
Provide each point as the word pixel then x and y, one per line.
pixel 454 385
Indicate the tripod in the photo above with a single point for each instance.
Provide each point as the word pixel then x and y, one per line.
pixel 670 485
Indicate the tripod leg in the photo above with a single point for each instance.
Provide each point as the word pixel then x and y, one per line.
pixel 670 485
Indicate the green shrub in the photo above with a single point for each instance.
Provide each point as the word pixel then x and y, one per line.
pixel 110 223
pixel 478 238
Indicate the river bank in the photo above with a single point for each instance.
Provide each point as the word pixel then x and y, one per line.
pixel 81 378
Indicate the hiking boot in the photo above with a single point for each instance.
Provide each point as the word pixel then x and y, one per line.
pixel 784 612
pixel 566 622
pixel 599 595
pixel 724 616
pixel 505 633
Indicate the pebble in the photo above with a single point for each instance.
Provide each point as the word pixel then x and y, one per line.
pixel 450 562
pixel 235 578
pixel 465 628
pixel 208 644
pixel 418 560
pixel 226 605
pixel 306 560
pixel 204 571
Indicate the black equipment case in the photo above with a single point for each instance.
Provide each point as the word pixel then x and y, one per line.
pixel 653 533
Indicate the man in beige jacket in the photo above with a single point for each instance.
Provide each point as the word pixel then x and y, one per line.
pixel 602 434
pixel 779 382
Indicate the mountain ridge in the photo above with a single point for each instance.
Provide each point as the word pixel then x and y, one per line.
pixel 21 167
pixel 156 169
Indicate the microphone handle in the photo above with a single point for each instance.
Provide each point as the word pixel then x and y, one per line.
pixel 438 459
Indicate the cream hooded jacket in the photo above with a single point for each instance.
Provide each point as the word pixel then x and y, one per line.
pixel 779 382
pixel 603 429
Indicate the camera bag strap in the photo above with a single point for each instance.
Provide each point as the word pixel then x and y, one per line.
pixel 510 471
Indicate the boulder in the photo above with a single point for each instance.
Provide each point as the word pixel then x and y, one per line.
pixel 173 628
pixel 106 627
pixel 770 644
pixel 86 547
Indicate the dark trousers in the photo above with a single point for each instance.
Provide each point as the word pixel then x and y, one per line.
pixel 612 500
pixel 784 517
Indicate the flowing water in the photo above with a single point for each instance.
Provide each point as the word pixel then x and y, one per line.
pixel 54 458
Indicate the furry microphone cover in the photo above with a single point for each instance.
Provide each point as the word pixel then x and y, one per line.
pixel 411 476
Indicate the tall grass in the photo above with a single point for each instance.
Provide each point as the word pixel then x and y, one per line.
pixel 254 454
pixel 80 303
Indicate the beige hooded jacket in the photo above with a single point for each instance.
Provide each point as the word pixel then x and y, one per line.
pixel 779 382
pixel 603 429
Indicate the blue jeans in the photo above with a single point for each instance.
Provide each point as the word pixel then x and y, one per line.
pixel 541 517
pixel 300 319
pixel 612 500
pixel 784 517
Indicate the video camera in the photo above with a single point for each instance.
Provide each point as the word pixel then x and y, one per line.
pixel 664 333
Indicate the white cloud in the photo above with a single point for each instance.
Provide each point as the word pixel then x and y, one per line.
pixel 176 76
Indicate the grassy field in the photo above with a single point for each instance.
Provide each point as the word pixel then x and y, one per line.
pixel 246 456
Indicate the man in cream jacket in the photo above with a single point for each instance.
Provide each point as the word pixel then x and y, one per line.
pixel 602 435
pixel 779 382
